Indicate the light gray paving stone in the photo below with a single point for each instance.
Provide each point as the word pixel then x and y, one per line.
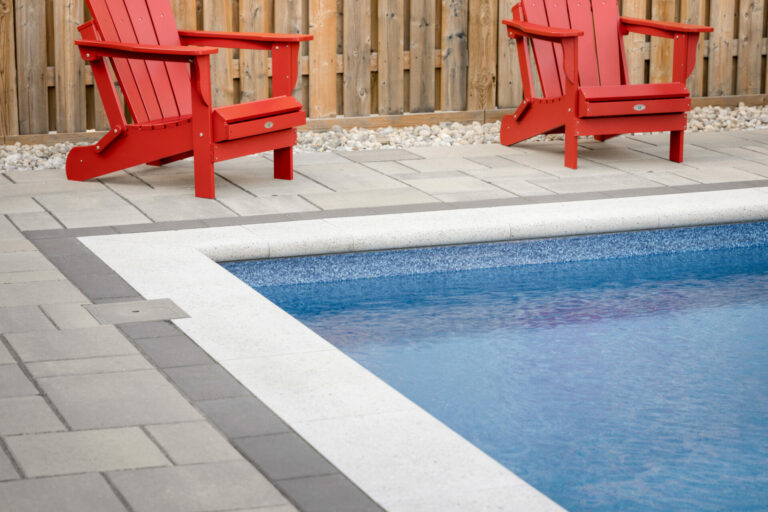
pixel 444 185
pixel 8 231
pixel 23 319
pixel 87 366
pixel 476 196
pixel 490 161
pixel 13 245
pixel 285 455
pixel 328 493
pixel 17 204
pixel 394 169
pixel 7 471
pixel 244 203
pixel 27 415
pixel 42 188
pixel 315 158
pixel 24 262
pixel 35 220
pixel 369 198
pixel 669 179
pixel 265 185
pixel 34 293
pixel 99 341
pixel 278 508
pixel 75 493
pixel 193 443
pixel 443 164
pixel 196 488
pixel 510 171
pixel 38 175
pixel 117 399
pixel 69 316
pixel 716 174
pixel 5 356
pixel 593 184
pixel 522 187
pixel 135 311
pixel 242 417
pixel 13 382
pixel 35 276
pixel 349 177
pixel 379 155
pixel 62 453
pixel 180 207
pixel 173 351
pixel 88 209
pixel 206 382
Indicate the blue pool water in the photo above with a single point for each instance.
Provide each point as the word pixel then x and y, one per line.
pixel 626 372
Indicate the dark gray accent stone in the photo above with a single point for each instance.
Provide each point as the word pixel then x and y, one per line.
pixel 242 417
pixel 149 330
pixel 173 351
pixel 329 493
pixel 206 382
pixel 286 455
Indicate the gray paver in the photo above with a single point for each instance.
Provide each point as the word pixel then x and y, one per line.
pixel 521 187
pixel 72 344
pixel 63 453
pixel 593 184
pixel 380 155
pixel 150 330
pixel 477 196
pixel 10 245
pixel 242 417
pixel 349 177
pixel 87 366
pixel 180 207
pixel 75 493
pixel 99 287
pixel 13 382
pixel 7 471
pixel 117 399
pixel 285 455
pixel 329 493
pixel 43 292
pixel 193 443
pixel 18 205
pixel 172 351
pixel 35 220
pixel 8 231
pixel 27 415
pixel 367 199
pixel 61 247
pixel 443 185
pixel 206 382
pixel 83 263
pixel 23 319
pixel 135 311
pixel 23 262
pixel 69 316
pixel 443 164
pixel 5 356
pixel 31 277
pixel 244 203
pixel 88 209
pixel 394 169
pixel 197 488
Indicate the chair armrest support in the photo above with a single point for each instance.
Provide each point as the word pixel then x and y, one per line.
pixel 94 50
pixel 660 28
pixel 242 40
pixel 524 29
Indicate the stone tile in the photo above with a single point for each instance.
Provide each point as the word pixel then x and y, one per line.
pixel 9 245
pixel 521 187
pixel 476 196
pixel 13 382
pixel 197 488
pixel 193 443
pixel 117 399
pixel 443 164
pixel 69 316
pixel 34 293
pixel 35 276
pixel 493 161
pixel 87 366
pixel 75 493
pixel 394 169
pixel 8 231
pixel 136 311
pixel 27 415
pixel 72 344
pixel 24 262
pixel 88 209
pixel 5 356
pixel 61 247
pixel 264 185
pixel 19 204
pixel 278 508
pixel 349 177
pixel 161 208
pixel 206 382
pixel 244 203
pixel 64 453
pixel 453 185
pixel 150 330
pixel 7 471
pixel 669 179
pixel 38 175
pixel 85 263
pixel 100 287
pixel 510 171
pixel 241 417
pixel 35 220
pixel 379 155
pixel 43 188
pixel 286 455
pixel 369 199
pixel 173 351
pixel 316 158
pixel 716 174
pixel 593 184
pixel 329 493
pixel 45 234
pixel 161 226
pixel 23 319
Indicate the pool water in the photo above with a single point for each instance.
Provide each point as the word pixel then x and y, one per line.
pixel 632 383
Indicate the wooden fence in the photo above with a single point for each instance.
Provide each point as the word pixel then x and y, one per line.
pixel 386 57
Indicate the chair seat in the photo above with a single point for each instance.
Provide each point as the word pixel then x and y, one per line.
pixel 257 117
pixel 634 92
pixel 633 100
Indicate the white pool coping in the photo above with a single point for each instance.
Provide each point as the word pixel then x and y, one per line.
pixel 397 453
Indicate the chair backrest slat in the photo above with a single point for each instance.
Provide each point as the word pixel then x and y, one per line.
pixel 153 89
pixel 543 51
pixel 558 17
pixel 609 55
pixel 580 12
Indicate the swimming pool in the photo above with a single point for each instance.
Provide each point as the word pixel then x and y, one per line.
pixel 616 371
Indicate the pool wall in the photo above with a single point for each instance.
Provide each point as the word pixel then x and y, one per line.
pixel 393 450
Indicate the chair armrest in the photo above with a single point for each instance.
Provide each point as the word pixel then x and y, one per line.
pixel 93 50
pixel 660 28
pixel 243 40
pixel 525 29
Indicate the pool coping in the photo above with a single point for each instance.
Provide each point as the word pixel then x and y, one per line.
pixel 157 265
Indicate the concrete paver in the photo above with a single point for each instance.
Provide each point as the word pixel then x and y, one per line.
pixel 36 220
pixel 109 364
pixel 13 382
pixel 284 455
pixel 328 493
pixel 173 351
pixel 69 315
pixel 193 443
pixel 7 471
pixel 136 311
pixel 38 293
pixel 72 493
pixel 206 382
pixel 71 344
pixel 23 319
pixel 27 415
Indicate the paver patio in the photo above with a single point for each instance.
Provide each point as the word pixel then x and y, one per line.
pixel 102 410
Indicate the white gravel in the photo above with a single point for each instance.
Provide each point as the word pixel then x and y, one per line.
pixel 707 119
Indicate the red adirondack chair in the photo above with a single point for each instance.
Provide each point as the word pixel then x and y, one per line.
pixel 579 54
pixel 164 74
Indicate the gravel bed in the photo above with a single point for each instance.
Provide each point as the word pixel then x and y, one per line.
pixel 706 119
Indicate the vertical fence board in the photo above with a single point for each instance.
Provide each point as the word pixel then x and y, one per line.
pixel 322 58
pixel 692 11
pixel 391 33
pixel 70 69
pixel 217 16
pixel 661 47
pixel 634 44
pixel 9 114
pixel 455 51
pixel 288 20
pixel 31 51
pixel 483 43
pixel 422 51
pixel 510 86
pixel 751 13
pixel 720 77
pixel 357 57
pixel 254 77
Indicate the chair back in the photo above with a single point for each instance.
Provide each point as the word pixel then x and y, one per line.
pixel 154 90
pixel 601 54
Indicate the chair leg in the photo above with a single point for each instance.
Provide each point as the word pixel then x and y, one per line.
pixel 571 148
pixel 205 184
pixel 676 141
pixel 284 163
